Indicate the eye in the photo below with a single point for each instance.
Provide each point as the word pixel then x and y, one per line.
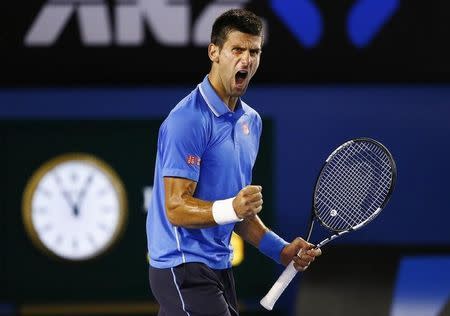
pixel 238 50
pixel 255 52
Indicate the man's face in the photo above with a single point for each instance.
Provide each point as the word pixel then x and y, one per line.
pixel 237 62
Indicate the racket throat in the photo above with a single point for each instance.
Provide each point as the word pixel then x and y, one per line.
pixel 310 228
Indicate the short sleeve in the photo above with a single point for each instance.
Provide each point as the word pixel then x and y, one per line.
pixel 181 145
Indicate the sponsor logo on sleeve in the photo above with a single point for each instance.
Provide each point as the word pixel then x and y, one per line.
pixel 193 160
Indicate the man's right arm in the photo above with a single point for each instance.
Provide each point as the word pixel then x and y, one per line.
pixel 184 210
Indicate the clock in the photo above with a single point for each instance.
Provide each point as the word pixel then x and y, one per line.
pixel 74 207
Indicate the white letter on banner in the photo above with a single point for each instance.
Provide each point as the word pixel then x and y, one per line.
pixel 168 21
pixel 93 21
pixel 95 28
pixel 49 24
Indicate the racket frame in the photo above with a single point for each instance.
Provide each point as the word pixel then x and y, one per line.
pixel 314 214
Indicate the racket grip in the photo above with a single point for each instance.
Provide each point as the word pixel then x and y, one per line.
pixel 279 286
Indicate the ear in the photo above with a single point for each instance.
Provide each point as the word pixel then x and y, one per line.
pixel 213 52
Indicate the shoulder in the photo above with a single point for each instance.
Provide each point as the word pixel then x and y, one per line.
pixel 252 113
pixel 188 116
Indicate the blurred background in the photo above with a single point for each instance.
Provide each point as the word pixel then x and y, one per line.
pixel 95 79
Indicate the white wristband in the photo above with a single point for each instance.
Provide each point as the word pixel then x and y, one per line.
pixel 223 212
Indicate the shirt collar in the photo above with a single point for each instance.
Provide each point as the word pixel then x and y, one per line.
pixel 215 103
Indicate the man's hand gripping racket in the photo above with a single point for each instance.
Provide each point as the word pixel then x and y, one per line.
pixel 352 188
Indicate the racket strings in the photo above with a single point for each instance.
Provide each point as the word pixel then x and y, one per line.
pixel 353 185
pixel 358 186
pixel 350 222
pixel 356 183
pixel 332 197
pixel 336 205
pixel 383 166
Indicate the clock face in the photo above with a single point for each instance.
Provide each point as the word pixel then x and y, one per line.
pixel 74 207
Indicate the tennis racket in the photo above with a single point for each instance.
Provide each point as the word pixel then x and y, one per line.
pixel 352 188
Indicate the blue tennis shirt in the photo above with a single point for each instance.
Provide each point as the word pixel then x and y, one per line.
pixel 201 140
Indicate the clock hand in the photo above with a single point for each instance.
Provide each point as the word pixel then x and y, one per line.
pixel 76 211
pixel 73 206
pixel 83 191
pixel 66 195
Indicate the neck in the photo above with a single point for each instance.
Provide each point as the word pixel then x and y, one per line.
pixel 217 85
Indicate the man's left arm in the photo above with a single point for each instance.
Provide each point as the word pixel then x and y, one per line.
pixel 257 234
pixel 253 230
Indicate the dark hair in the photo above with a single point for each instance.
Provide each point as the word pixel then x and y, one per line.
pixel 235 20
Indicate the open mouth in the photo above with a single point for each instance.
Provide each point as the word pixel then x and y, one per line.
pixel 240 76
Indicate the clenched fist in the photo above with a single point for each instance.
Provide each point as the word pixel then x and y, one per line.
pixel 248 202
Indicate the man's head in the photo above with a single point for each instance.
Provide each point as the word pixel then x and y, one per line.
pixel 235 50
pixel 235 20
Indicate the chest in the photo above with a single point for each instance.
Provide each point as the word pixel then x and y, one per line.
pixel 233 144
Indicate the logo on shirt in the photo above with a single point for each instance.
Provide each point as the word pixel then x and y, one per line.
pixel 193 160
pixel 245 128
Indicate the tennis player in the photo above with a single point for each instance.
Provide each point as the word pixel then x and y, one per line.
pixel 207 147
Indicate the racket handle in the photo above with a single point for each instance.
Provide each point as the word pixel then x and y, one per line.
pixel 278 288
